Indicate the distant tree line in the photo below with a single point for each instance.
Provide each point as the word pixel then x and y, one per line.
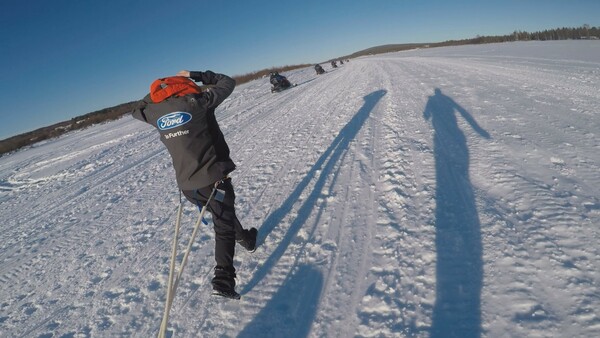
pixel 579 33
pixel 112 113
pixel 79 122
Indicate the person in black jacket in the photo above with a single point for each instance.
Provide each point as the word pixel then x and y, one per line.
pixel 184 116
pixel 279 82
pixel 319 69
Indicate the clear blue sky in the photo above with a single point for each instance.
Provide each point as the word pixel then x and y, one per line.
pixel 65 58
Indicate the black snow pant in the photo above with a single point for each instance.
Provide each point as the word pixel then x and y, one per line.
pixel 227 229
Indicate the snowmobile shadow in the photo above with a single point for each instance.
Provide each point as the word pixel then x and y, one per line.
pixel 321 170
pixel 459 267
pixel 292 308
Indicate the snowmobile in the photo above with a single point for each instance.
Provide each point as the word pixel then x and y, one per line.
pixel 279 82
pixel 333 64
pixel 319 69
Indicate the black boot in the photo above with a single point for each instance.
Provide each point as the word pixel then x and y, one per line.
pixel 249 240
pixel 224 283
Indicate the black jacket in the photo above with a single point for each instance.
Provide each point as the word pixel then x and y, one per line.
pixel 189 129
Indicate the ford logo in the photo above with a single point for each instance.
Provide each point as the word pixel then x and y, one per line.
pixel 173 120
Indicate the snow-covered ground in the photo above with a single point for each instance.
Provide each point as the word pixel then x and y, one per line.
pixel 448 192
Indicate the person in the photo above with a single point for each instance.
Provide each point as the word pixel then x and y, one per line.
pixel 279 82
pixel 184 115
pixel 319 69
pixel 333 64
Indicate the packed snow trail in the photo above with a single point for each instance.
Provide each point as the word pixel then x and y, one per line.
pixel 396 196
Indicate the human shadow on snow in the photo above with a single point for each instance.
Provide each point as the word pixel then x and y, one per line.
pixel 321 169
pixel 292 310
pixel 459 267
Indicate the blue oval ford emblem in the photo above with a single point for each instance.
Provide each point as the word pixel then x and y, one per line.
pixel 173 120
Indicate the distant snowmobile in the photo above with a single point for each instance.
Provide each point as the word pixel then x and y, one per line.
pixel 319 69
pixel 334 64
pixel 279 82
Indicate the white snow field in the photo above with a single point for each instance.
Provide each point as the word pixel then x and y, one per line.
pixel 444 192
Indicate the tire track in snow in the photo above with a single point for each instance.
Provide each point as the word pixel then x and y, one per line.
pixel 59 224
pixel 401 267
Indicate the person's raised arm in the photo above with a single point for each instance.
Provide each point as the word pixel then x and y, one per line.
pixel 220 86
